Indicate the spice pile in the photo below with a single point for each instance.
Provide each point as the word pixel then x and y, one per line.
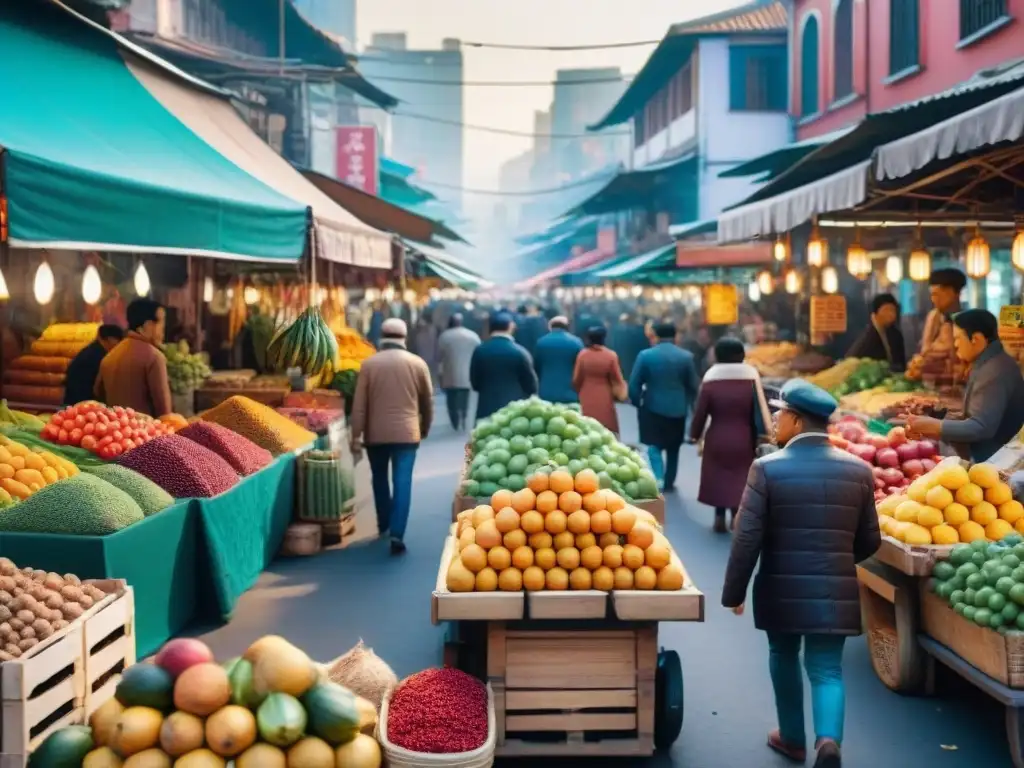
pixel 438 711
pixel 150 497
pixel 259 423
pixel 244 456
pixel 183 468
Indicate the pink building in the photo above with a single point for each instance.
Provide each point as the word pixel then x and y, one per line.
pixel 850 58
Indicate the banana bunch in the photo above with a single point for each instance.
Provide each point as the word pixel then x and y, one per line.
pixel 832 377
pixel 307 344
pixel 19 418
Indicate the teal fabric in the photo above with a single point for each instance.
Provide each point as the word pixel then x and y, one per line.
pixel 92 160
pixel 243 530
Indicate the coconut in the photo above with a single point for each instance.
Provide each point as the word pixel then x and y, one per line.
pixel 364 673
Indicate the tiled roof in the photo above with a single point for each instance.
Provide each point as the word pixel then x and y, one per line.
pixel 760 16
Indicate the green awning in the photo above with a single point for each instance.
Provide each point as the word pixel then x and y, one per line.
pixel 447 267
pixel 93 162
pixel 645 262
pixel 670 182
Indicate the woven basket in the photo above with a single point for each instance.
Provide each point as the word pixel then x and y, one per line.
pixel 396 757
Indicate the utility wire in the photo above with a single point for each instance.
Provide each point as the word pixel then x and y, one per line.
pixel 506 131
pixel 592 47
pixel 498 83
pixel 593 181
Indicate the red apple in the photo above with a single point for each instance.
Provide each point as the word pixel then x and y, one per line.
pixel 181 653
pixel 913 468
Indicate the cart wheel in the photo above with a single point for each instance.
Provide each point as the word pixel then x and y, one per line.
pixel 668 700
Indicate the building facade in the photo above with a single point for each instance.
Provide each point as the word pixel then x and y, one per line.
pixel 428 83
pixel 851 58
pixel 335 17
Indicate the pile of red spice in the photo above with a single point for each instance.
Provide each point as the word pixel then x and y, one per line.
pixel 440 711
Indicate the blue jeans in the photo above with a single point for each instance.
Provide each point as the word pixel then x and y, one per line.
pixel 664 465
pixel 823 660
pixel 392 506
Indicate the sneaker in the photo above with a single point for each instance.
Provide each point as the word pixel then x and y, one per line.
pixel 397 546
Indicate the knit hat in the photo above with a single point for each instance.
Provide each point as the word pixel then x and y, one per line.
pixel 394 328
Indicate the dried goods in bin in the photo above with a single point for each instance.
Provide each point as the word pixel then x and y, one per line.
pixel 438 711
pixel 244 456
pixel 83 505
pixel 181 467
pixel 150 497
pixel 259 423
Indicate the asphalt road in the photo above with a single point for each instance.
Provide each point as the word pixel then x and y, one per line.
pixel 327 603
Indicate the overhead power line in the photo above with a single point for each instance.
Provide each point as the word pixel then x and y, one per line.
pixel 592 47
pixel 506 131
pixel 499 83
pixel 519 193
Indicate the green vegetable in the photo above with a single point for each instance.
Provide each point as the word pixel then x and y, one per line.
pixel 333 713
pixel 146 685
pixel 65 748
pixel 81 505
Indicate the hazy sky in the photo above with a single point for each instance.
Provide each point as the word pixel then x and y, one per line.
pixel 534 22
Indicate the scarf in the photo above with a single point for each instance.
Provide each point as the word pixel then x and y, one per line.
pixel 392 344
pixel 742 372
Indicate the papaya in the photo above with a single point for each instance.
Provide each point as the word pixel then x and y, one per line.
pixel 333 713
pixel 150 758
pixel 243 691
pixel 65 748
pixel 281 720
pixel 146 685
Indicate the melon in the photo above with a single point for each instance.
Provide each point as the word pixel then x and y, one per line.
pixel 243 691
pixel 65 748
pixel 136 731
pixel 333 713
pixel 230 731
pixel 181 733
pixel 202 690
pixel 181 653
pixel 311 752
pixel 362 752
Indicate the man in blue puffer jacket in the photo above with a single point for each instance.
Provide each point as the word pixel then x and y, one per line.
pixel 555 359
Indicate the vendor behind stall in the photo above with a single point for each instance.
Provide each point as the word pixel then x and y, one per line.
pixel 937 357
pixel 882 339
pixel 134 373
pixel 83 370
pixel 994 399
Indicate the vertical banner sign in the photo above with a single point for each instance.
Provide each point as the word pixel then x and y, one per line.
pixel 357 162
pixel 828 316
pixel 721 304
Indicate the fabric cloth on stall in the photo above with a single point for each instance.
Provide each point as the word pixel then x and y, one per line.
pixel 554 360
pixel 134 375
pixel 730 415
pixel 993 405
pixel 598 380
pixel 501 372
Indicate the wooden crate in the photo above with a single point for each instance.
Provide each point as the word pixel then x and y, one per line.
pixel 573 692
pixel 63 680
pixel 910 559
pixel 1001 657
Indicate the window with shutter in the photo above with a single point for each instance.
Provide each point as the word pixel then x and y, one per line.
pixel 904 26
pixel 975 15
pixel 757 78
pixel 809 44
pixel 842 50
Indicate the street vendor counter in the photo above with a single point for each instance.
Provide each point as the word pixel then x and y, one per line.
pixel 189 563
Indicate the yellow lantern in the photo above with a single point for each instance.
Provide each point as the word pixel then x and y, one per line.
pixel 4 293
pixel 817 251
pixel 894 269
pixel 829 280
pixel 754 292
pixel 766 283
pixel 781 250
pixel 858 263
pixel 208 290
pixel 977 260
pixel 793 281
pixel 919 267
pixel 142 284
pixel 1017 251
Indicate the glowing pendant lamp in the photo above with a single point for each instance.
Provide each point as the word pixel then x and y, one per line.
pixel 43 286
pixel 829 280
pixel 4 294
pixel 142 284
pixel 766 283
pixel 894 269
pixel 92 286
pixel 978 262
pixel 793 281
pixel 208 290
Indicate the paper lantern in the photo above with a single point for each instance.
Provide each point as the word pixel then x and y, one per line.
pixel 977 260
pixel 43 286
pixel 894 269
pixel 92 286
pixel 4 294
pixel 251 295
pixel 793 281
pixel 858 263
pixel 829 280
pixel 753 292
pixel 766 283
pixel 142 284
pixel 1016 252
pixel 781 250
pixel 208 290
pixel 919 267
pixel 817 252
pixel 658 296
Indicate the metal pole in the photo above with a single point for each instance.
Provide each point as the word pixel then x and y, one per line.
pixel 281 36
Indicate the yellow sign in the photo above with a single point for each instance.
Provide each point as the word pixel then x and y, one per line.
pixel 1011 329
pixel 721 304
pixel 828 315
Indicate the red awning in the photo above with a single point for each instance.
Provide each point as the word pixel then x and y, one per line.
pixel 576 263
pixel 739 255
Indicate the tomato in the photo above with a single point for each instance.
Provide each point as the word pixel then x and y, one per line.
pixel 118 435
pixel 151 431
pixel 100 428
pixel 62 437
pixel 89 443
pixel 89 428
pixel 56 420
pixel 75 436
pixel 127 444
pixel 106 452
pixel 105 441
pixel 130 412
pixel 92 417
pixel 116 449
pixel 70 412
pixel 50 431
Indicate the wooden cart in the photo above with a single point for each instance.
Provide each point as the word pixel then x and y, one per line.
pixel 574 674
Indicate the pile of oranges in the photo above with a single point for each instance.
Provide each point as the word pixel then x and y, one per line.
pixel 561 532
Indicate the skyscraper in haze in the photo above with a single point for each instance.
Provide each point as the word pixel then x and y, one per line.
pixel 581 98
pixel 338 17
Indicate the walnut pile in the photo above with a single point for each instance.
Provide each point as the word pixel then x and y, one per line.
pixel 34 604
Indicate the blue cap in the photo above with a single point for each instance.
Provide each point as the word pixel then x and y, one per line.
pixel 806 398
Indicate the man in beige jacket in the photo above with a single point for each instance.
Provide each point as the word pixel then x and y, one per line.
pixel 391 413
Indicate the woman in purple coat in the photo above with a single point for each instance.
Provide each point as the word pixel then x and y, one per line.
pixel 731 416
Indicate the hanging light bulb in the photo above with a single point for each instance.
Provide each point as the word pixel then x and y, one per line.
pixel 409 296
pixel 753 292
pixel 894 269
pixel 766 283
pixel 43 286
pixel 817 250
pixel 919 267
pixel 793 281
pixel 638 290
pixel 780 250
pixel 251 295
pixel 1016 252
pixel 858 263
pixel 4 294
pixel 977 259
pixel 142 284
pixel 829 280
pixel 658 296
pixel 208 290
pixel 621 292
pixel 92 286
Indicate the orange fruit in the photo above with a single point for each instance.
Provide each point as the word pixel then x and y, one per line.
pixel 983 513
pixel 613 502
pixel 579 522
pixel 506 520
pixel 510 580
pixel 563 540
pixel 603 579
pixel 570 502
pixel 586 481
pixel 501 499
pixel 557 579
pixel 568 558
pixel 580 579
pixel 613 556
pixel 609 539
pixel 499 558
pixel 533 579
pixel 623 578
pixel 623 521
pixel 998 494
pixel 523 500
pixel 474 558
pixel 641 536
pixel 600 521
pixel 540 540
pixel 555 522
pixel 584 540
pixel 537 482
pixel 560 481
pixel 969 495
pixel 632 557
pixel 938 497
pixel 545 558
pixel 592 558
pixel 532 521
pixel 513 540
pixel 645 578
pixel 1019 526
pixel 523 558
pixel 594 502
pixel 547 501
pixel 1011 511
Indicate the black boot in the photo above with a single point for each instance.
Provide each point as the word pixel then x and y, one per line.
pixel 719 526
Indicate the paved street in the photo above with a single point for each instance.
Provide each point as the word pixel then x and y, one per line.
pixel 327 603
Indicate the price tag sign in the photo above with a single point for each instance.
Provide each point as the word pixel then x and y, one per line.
pixel 1011 330
pixel 828 315
pixel 721 304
